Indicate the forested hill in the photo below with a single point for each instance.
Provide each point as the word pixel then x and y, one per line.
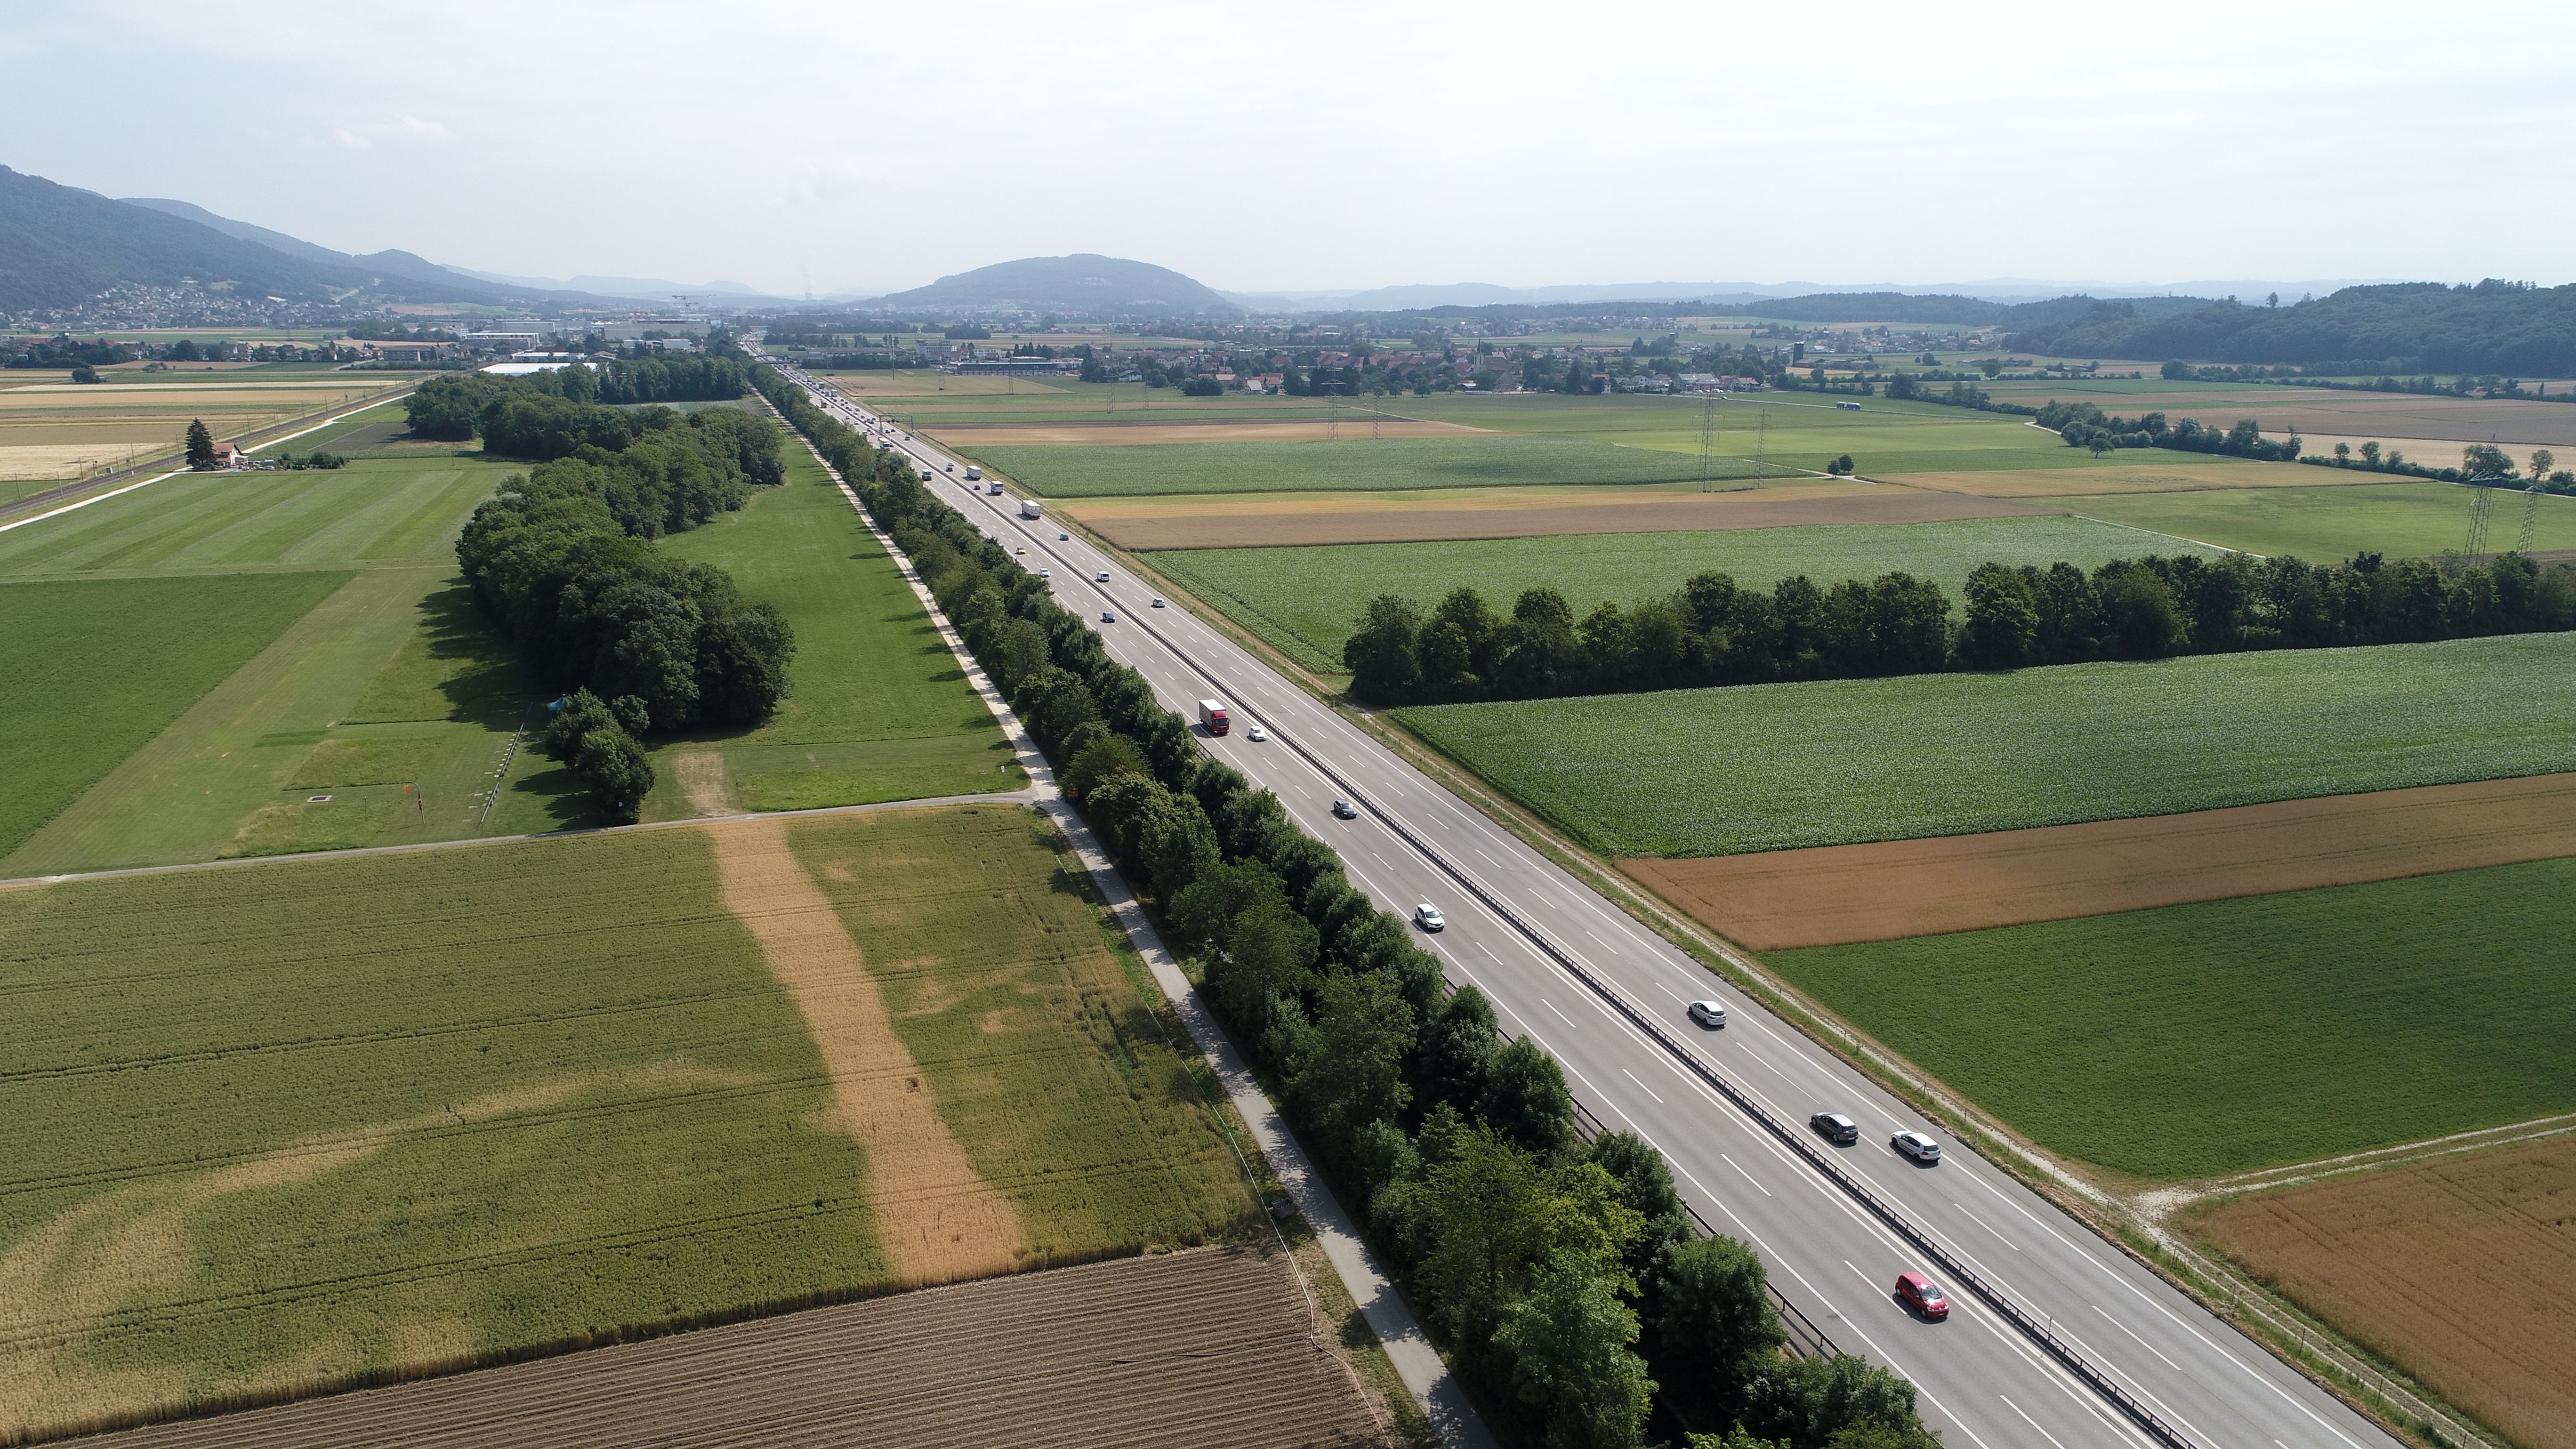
pixel 60 245
pixel 1084 283
pixel 2493 327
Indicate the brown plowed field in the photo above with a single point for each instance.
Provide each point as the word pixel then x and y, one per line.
pixel 2462 1271
pixel 1197 1348
pixel 2186 474
pixel 1107 433
pixel 1898 888
pixel 1269 520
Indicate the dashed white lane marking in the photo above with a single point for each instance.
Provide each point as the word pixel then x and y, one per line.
pixel 1642 1087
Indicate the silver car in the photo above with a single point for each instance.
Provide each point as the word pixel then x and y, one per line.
pixel 1710 1014
pixel 1428 917
pixel 1917 1146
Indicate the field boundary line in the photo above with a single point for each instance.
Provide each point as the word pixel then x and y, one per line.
pixel 1023 796
pixel 1441 1397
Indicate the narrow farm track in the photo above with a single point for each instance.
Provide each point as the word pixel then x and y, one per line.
pixel 1212 1346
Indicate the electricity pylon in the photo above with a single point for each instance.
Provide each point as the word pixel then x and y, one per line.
pixel 2481 510
pixel 2530 518
pixel 1708 445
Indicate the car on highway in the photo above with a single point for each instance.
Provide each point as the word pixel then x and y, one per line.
pixel 1708 1013
pixel 1101 577
pixel 925 475
pixel 1018 550
pixel 1158 601
pixel 1923 1296
pixel 1046 573
pixel 1428 917
pixel 1109 616
pixel 1836 1128
pixel 1259 736
pixel 1917 1146
pixel 947 467
pixel 1345 810
pixel 1061 537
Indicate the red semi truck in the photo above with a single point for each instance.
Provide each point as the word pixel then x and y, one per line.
pixel 1212 715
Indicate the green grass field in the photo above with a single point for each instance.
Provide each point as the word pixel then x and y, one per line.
pixel 1800 430
pixel 2330 524
pixel 2202 1039
pixel 280 1124
pixel 1773 767
pixel 1352 464
pixel 880 709
pixel 98 667
pixel 1306 601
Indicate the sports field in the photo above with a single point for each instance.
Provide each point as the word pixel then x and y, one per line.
pixel 2212 1038
pixel 1354 463
pixel 2330 524
pixel 282 1123
pixel 880 710
pixel 2460 1271
pixel 1783 766
pixel 1306 601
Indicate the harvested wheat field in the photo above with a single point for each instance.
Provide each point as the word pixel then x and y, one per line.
pixel 2462 1271
pixel 1213 1346
pixel 1274 520
pixel 1204 430
pixel 2184 473
pixel 1834 895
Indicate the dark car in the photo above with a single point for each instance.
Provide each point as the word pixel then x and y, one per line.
pixel 1837 1128
pixel 1345 810
pixel 1923 1296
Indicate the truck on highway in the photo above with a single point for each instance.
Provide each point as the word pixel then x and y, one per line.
pixel 996 488
pixel 1212 716
pixel 973 472
pixel 1031 508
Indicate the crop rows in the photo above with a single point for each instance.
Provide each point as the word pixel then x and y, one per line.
pixel 1356 463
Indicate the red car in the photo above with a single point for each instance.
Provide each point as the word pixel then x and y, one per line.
pixel 1923 1296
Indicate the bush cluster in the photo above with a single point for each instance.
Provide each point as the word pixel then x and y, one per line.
pixel 1712 632
pixel 1563 1276
pixel 561 560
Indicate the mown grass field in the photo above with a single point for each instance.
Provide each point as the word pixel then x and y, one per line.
pixel 2330 524
pixel 96 668
pixel 1772 767
pixel 385 693
pixel 2202 1039
pixel 279 1124
pixel 1357 464
pixel 880 709
pixel 1306 601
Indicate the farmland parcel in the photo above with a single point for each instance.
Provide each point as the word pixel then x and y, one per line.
pixel 285 1124
pixel 1467 462
pixel 2459 1270
pixel 879 711
pixel 1783 766
pixel 1307 601
pixel 2201 1039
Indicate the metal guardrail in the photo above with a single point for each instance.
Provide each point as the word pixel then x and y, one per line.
pixel 1806 1340
pixel 2034 1327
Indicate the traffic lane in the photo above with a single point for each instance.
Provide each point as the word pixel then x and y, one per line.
pixel 1575 898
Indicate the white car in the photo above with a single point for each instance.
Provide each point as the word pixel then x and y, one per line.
pixel 1101 577
pixel 1428 917
pixel 1708 1013
pixel 1046 573
pixel 1917 1146
pixel 1158 602
pixel 1259 736
pixel 947 467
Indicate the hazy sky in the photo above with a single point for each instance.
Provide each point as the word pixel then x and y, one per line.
pixel 1315 145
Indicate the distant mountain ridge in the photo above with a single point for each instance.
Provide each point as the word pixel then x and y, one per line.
pixel 61 245
pixel 1084 282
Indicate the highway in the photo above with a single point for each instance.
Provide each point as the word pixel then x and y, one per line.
pixel 1606 998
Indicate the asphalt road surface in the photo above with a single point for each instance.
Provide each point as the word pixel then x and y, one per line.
pixel 1983 1381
